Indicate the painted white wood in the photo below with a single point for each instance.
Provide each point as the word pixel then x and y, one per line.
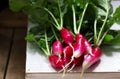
pixel 110 60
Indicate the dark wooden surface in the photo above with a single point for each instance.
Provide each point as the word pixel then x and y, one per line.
pixel 13 27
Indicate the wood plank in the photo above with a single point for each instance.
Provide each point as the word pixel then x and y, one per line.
pixel 5 41
pixel 94 75
pixel 12 19
pixel 16 67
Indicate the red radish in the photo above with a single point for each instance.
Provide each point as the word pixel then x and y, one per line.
pixel 78 48
pixel 77 51
pixel 65 33
pixel 67 52
pixel 66 36
pixel 76 62
pixel 88 47
pixel 57 48
pixel 79 38
pixel 91 59
pixel 54 62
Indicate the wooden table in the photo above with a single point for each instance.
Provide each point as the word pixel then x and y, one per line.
pixel 12 45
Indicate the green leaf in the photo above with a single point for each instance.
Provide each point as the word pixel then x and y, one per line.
pixel 36 30
pixel 30 37
pixel 116 15
pixel 17 5
pixel 108 37
pixel 113 40
pixel 42 44
pixel 82 3
pixel 102 6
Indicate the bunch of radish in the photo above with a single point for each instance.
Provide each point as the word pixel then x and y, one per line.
pixel 75 53
pixel 73 50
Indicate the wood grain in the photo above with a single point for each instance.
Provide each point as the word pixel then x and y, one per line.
pixel 100 75
pixel 16 67
pixel 12 19
pixel 5 41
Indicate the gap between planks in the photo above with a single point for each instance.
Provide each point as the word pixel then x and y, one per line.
pixel 12 53
pixel 16 66
pixel 5 40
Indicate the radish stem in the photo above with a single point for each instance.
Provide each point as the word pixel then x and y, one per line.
pixel 102 37
pixel 54 33
pixel 61 16
pixel 81 20
pixel 101 29
pixel 58 26
pixel 74 19
pixel 46 42
pixel 95 31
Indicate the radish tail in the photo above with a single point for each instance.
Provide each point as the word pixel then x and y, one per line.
pixel 59 58
pixel 72 58
pixel 67 65
pixel 83 70
pixel 71 68
pixel 82 73
pixel 64 72
pixel 71 46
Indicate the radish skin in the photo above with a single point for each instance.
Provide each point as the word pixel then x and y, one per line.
pixel 67 52
pixel 78 61
pixel 79 38
pixel 53 59
pixel 79 46
pixel 88 47
pixel 78 50
pixel 66 36
pixel 57 48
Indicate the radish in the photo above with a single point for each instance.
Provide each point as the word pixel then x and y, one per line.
pixel 54 62
pixel 87 45
pixel 66 36
pixel 78 48
pixel 79 38
pixel 67 52
pixel 57 48
pixel 91 59
pixel 64 32
pixel 77 54
pixel 76 62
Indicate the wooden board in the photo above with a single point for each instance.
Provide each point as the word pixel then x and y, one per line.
pixel 16 67
pixel 5 43
pixel 100 75
pixel 12 19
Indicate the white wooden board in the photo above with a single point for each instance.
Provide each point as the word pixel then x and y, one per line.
pixel 110 60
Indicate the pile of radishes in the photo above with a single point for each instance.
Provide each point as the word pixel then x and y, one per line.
pixel 77 51
pixel 74 49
